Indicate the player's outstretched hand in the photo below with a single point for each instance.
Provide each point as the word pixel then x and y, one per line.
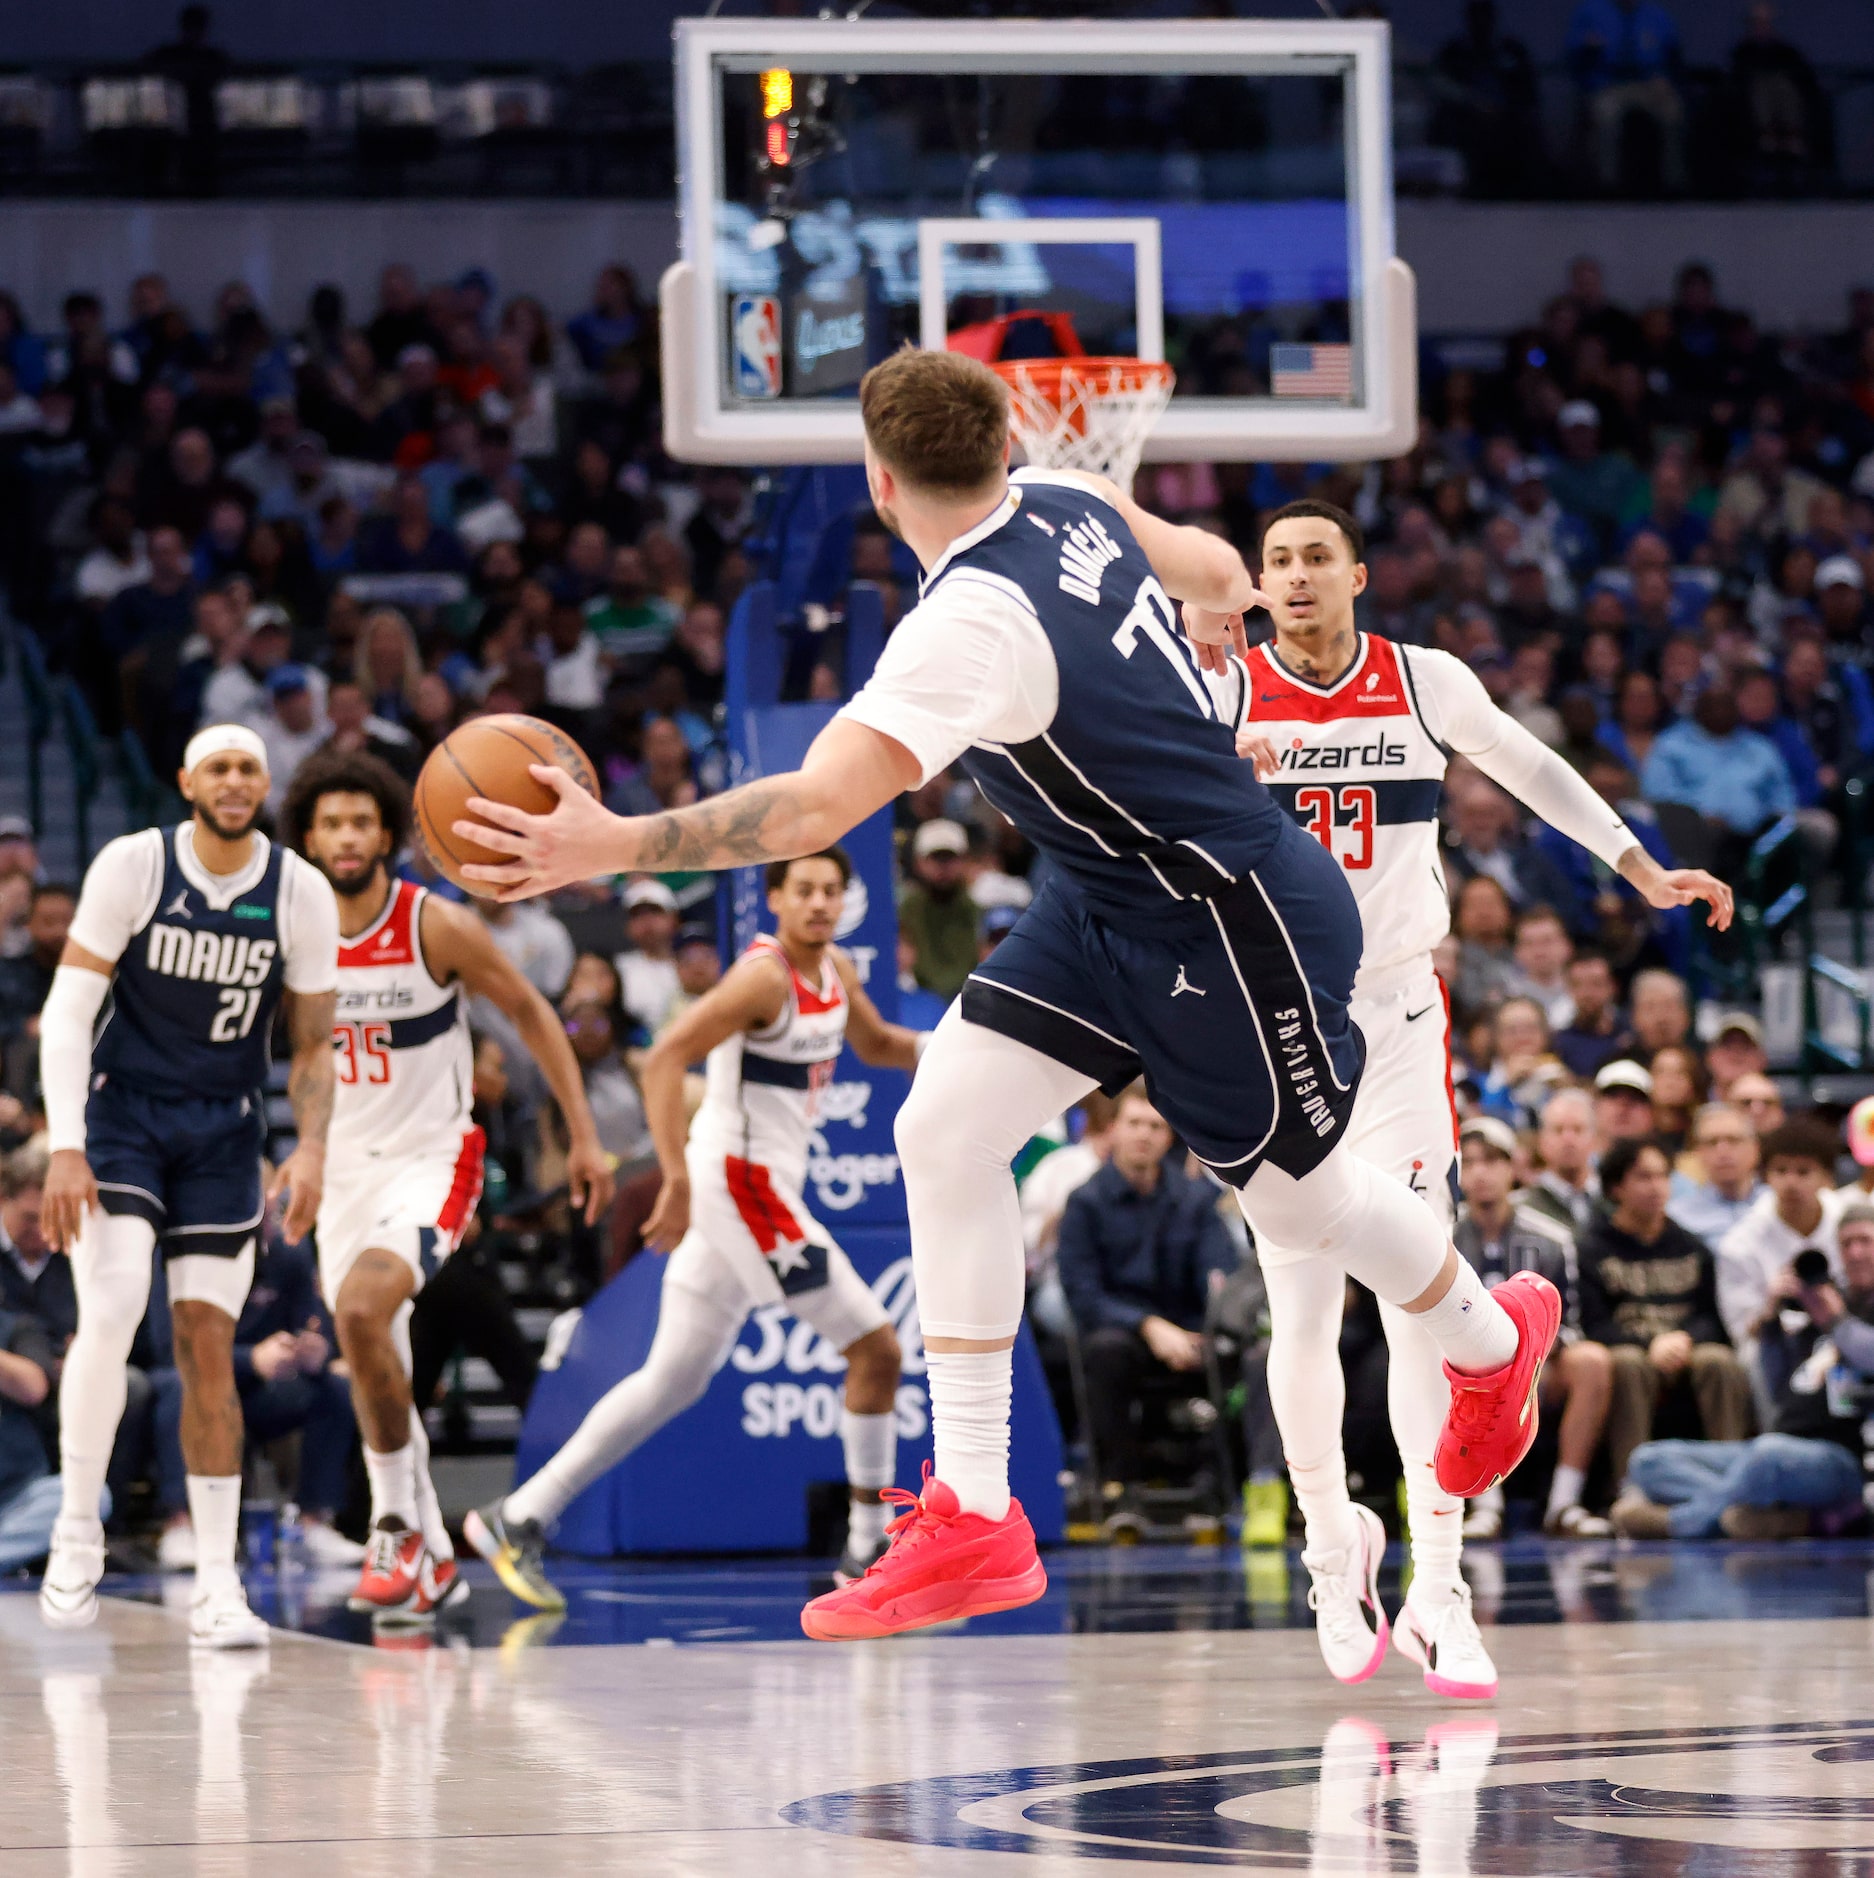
pixel 1258 747
pixel 1214 636
pixel 577 840
pixel 670 1217
pixel 71 1191
pixel 301 1177
pixel 1680 886
pixel 589 1179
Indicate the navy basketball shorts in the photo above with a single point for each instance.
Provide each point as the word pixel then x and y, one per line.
pixel 190 1165
pixel 1236 1014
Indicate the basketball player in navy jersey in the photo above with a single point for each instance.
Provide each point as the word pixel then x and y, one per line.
pixel 1188 931
pixel 157 1127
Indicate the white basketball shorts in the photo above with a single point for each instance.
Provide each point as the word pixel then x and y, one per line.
pixel 417 1207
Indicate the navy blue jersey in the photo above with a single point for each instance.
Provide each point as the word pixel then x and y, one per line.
pixel 1135 789
pixel 193 999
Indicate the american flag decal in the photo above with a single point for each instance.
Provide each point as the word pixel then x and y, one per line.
pixel 1311 371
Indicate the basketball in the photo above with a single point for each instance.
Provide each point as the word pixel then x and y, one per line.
pixel 489 756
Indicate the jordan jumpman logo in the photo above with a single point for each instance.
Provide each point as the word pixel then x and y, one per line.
pixel 1184 984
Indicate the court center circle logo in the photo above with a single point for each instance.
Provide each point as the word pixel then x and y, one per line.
pixel 1460 1799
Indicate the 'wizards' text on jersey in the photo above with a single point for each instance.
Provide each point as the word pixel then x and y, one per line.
pixel 1134 789
pixel 194 995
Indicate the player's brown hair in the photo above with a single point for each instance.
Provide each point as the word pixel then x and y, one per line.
pixel 349 773
pixel 940 420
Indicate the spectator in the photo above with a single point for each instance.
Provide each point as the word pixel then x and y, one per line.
pixel 1045 1191
pixel 1757 1096
pixel 1597 1031
pixel 699 968
pixel 237 692
pixel 1734 778
pixel 160 604
pixel 1523 1070
pixel 1591 483
pixel 388 666
pixel 408 541
pixel 665 776
pixel 1625 56
pixel 522 400
pixel 1713 1201
pixel 29 1492
pixel 1662 1011
pixel 1763 496
pixel 1760 710
pixel 400 321
pixel 1799 1210
pixel 935 910
pixel 283 1370
pixel 265 468
pixel 1484 840
pixel 294 728
pixel 1139 1248
pixel 575 672
pixel 1780 102
pixel 1566 1189
pixel 1679 1087
pixel 1485 83
pixel 1812 1463
pixel 537 945
pixel 1623 1102
pixel 1649 1292
pixel 1481 924
pixel 355 727
pixel 1736 1049
pixel 1500 1237
pixel 1543 952
pixel 118 557
pixel 717 527
pixel 647 969
pixel 25 981
pixel 598 1039
pixel 614 320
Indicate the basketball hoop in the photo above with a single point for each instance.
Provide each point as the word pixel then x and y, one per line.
pixel 1087 414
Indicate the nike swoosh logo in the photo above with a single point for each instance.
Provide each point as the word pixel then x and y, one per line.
pixel 1412 1017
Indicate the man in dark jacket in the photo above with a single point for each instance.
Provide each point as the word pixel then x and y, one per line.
pixel 1140 1247
pixel 1649 1291
pixel 1818 1356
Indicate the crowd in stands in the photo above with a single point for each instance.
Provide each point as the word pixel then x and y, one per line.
pixel 1651 532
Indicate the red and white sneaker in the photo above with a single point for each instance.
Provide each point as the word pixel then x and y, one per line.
pixel 1493 1418
pixel 942 1564
pixel 394 1558
pixel 438 1585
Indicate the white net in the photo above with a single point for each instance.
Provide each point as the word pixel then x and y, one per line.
pixel 1089 414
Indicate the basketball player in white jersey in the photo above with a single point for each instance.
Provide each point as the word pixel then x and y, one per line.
pixel 406 1156
pixel 731 1207
pixel 1352 734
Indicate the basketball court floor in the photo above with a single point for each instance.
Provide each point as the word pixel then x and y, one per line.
pixel 1699 1710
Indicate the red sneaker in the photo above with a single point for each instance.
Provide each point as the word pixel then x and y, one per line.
pixel 438 1585
pixel 943 1564
pixel 1493 1418
pixel 393 1565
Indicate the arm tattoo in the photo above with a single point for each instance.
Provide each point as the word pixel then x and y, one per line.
pixel 312 1083
pixel 762 821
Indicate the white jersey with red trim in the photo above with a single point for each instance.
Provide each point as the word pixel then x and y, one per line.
pixel 761 1103
pixel 1362 773
pixel 405 1063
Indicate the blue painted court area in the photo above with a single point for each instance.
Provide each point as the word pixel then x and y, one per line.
pixel 1103 1591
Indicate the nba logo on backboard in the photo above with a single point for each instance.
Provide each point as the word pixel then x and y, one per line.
pixel 755 335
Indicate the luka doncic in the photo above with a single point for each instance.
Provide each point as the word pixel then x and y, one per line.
pixel 156 1120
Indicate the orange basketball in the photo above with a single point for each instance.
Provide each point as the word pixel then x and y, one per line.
pixel 489 756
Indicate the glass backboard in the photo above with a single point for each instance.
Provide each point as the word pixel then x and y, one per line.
pixel 1215 193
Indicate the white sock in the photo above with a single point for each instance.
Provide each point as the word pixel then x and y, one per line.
pixel 215 1512
pixel 1473 1332
pixel 1565 1488
pixel 870 1443
pixel 969 1409
pixel 428 1507
pixel 1418 1398
pixel 393 1484
pixel 866 1523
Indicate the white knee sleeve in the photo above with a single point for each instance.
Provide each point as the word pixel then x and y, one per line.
pixel 1351 1215
pixel 195 1278
pixel 977 1098
pixel 1417 1399
pixel 111 1269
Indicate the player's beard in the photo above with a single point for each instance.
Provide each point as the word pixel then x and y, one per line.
pixel 221 832
pixel 355 886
